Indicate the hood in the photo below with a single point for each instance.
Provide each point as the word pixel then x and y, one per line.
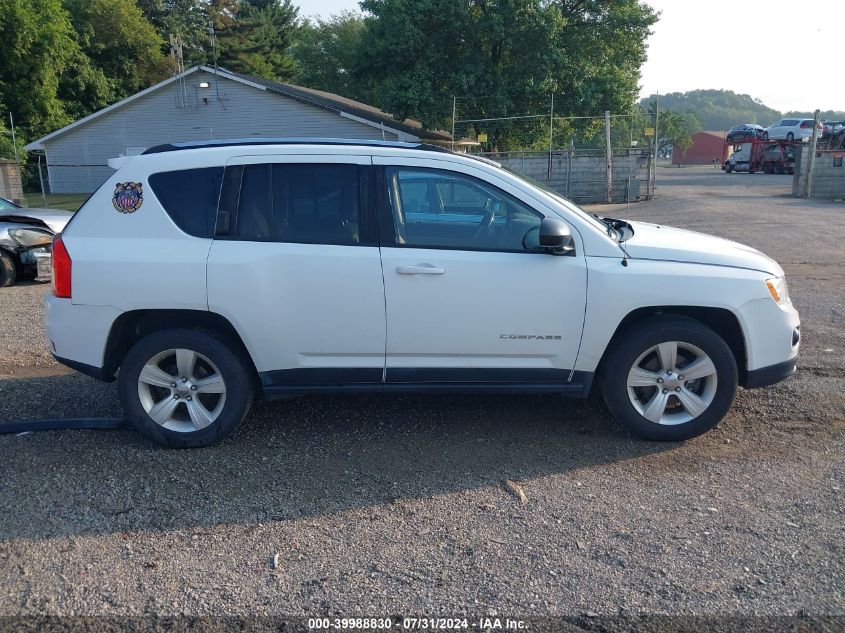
pixel 655 241
pixel 55 219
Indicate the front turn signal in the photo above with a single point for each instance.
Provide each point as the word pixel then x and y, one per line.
pixel 778 290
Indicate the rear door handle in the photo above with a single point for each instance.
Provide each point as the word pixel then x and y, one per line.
pixel 419 269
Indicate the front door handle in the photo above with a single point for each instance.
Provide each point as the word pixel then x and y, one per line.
pixel 419 269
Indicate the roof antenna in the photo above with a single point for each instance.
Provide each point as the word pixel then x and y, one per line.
pixel 213 37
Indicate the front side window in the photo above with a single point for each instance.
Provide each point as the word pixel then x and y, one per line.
pixel 298 203
pixel 442 209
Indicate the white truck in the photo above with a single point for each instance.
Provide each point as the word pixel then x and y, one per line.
pixel 770 157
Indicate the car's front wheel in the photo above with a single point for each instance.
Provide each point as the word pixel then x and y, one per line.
pixel 185 388
pixel 672 379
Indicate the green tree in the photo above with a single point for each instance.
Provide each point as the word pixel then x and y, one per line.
pixel 254 37
pixel 120 43
pixel 824 115
pixel 327 55
pixel 718 109
pixel 417 54
pixel 187 18
pixel 675 129
pixel 38 48
pixel 7 147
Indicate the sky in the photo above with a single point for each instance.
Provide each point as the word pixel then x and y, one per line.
pixel 787 54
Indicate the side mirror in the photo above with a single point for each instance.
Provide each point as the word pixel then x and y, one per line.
pixel 555 237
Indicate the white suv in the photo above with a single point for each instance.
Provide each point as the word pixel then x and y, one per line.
pixel 207 272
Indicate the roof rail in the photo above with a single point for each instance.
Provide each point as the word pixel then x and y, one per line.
pixel 175 147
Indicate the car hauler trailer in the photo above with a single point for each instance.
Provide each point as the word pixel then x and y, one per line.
pixel 770 157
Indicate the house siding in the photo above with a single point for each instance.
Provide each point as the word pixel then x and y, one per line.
pixel 77 159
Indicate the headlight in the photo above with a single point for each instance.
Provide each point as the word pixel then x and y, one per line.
pixel 31 237
pixel 778 290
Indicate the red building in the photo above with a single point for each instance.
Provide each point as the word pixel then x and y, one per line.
pixel 706 148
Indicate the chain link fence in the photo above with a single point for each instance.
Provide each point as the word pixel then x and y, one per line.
pixel 605 158
pixel 61 185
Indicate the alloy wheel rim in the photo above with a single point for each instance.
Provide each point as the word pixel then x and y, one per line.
pixel 672 382
pixel 181 390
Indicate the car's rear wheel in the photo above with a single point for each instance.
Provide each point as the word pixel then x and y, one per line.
pixel 8 271
pixel 671 380
pixel 185 388
pixel 790 137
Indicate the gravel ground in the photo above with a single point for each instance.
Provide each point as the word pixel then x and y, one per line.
pixel 396 505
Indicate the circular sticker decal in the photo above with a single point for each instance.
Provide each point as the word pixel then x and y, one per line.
pixel 128 197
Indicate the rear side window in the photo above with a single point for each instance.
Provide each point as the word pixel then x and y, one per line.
pixel 316 204
pixel 189 196
pixel 253 209
pixel 308 204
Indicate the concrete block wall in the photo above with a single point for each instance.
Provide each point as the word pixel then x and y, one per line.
pixel 581 176
pixel 827 179
pixel 10 181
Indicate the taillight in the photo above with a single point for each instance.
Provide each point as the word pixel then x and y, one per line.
pixel 61 269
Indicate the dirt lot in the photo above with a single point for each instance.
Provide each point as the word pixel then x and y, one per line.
pixel 395 505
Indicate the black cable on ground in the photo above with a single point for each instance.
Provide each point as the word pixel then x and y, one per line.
pixel 59 424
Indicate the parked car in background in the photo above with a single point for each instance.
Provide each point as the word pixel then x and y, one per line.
pixel 25 236
pixel 206 272
pixel 831 128
pixel 8 205
pixel 746 132
pixel 792 129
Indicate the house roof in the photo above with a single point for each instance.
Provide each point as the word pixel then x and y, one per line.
pixel 343 105
pixel 367 114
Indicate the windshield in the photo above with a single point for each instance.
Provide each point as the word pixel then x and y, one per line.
pixel 567 204
pixel 5 205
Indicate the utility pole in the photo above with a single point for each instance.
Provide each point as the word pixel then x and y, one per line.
pixel 41 180
pixel 551 131
pixel 811 159
pixel 14 140
pixel 608 156
pixel 656 142
pixel 454 115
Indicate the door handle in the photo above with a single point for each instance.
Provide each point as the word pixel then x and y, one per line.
pixel 419 269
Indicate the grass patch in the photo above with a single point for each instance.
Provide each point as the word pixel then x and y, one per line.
pixel 68 201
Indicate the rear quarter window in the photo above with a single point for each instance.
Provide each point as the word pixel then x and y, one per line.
pixel 190 196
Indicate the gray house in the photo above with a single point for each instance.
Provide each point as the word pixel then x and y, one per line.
pixel 203 103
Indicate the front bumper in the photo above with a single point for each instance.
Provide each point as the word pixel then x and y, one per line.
pixel 772 338
pixel 770 375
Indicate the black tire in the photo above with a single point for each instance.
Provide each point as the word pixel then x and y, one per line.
pixel 8 271
pixel 765 136
pixel 639 338
pixel 790 137
pixel 728 168
pixel 234 368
